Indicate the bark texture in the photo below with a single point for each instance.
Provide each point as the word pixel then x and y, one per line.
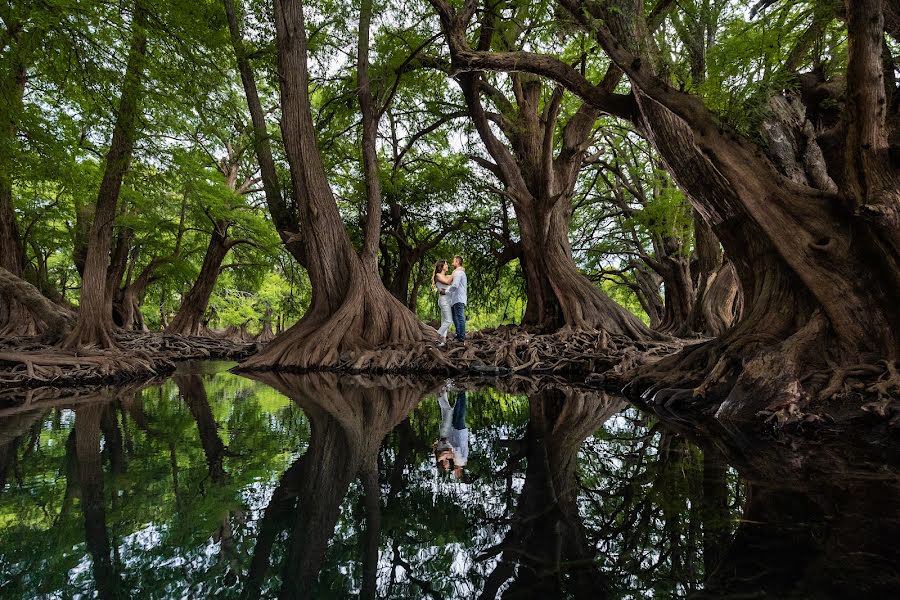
pixel 95 323
pixel 56 321
pixel 190 318
pixel 350 307
pixel 22 42
pixel 283 215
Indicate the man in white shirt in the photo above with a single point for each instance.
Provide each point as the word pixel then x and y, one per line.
pixel 459 297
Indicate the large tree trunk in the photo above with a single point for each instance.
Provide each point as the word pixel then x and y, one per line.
pixel 350 309
pixel 95 323
pixel 189 319
pixel 283 216
pixel 14 318
pixel 814 237
pixel 717 302
pixel 56 321
pixel 559 295
pixel 541 186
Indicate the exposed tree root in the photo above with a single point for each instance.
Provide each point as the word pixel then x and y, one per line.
pixel 504 351
pixel 27 362
pixel 794 381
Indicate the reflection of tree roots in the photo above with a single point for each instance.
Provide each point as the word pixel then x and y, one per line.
pixel 27 363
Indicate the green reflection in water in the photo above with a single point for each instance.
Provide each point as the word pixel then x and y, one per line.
pixel 213 485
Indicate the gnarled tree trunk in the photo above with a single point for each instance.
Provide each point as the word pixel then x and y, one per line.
pixel 350 309
pixel 95 323
pixel 56 321
pixel 812 229
pixel 541 184
pixel 559 295
pixel 803 240
pixel 14 318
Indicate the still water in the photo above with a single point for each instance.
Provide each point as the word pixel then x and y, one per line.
pixel 212 485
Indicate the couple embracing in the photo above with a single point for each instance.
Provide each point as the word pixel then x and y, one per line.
pixel 452 297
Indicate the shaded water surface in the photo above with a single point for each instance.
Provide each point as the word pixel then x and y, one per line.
pixel 214 485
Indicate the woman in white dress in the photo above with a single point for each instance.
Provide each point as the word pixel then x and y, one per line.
pixel 440 280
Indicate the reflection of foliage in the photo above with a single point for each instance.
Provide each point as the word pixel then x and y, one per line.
pixel 177 530
pixel 163 511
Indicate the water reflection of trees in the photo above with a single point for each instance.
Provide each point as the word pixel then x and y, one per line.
pixel 821 520
pixel 116 489
pixel 576 497
pixel 546 551
pixel 349 420
pixel 216 485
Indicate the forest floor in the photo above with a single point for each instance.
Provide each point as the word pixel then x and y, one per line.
pixel 28 362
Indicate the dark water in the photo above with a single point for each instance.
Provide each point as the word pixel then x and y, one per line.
pixel 214 485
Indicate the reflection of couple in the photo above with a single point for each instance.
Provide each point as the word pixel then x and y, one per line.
pixel 452 447
pixel 452 297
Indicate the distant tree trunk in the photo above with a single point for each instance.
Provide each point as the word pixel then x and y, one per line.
pixel 95 323
pixel 131 317
pixel 118 263
pixel 675 269
pixel 266 335
pixel 284 216
pixel 351 309
pixel 559 294
pixel 647 285
pixel 189 319
pixel 541 186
